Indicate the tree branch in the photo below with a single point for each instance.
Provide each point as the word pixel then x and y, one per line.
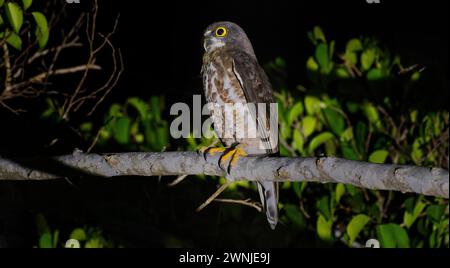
pixel 421 180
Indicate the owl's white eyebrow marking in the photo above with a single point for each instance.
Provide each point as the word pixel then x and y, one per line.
pixel 207 33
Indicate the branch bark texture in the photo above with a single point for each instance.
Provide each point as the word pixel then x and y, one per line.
pixel 421 180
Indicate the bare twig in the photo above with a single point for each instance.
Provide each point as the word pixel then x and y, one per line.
pixel 246 202
pixel 45 52
pixel 97 136
pixel 213 196
pixel 177 180
pixel 75 69
pixel 7 62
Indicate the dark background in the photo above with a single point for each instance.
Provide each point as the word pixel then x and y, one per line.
pixel 162 49
pixel 162 43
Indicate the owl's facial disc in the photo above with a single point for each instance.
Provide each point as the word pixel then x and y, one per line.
pixel 214 38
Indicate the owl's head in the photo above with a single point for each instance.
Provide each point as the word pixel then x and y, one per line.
pixel 226 34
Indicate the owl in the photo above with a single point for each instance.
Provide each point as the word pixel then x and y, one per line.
pixel 239 97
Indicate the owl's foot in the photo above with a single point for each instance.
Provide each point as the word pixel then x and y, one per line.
pixel 210 150
pixel 232 156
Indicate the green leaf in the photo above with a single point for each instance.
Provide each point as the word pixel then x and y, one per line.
pixel 355 226
pixel 374 74
pixel 286 130
pixel 392 236
pixel 413 116
pixel 312 65
pixel 435 212
pixel 349 153
pixel 295 112
pixel 13 40
pixel 308 125
pixel 41 224
pixel 2 2
pixel 415 76
pixel 416 153
pixel 350 58
pixel 15 16
pixel 156 107
pixel 319 140
pixel 411 216
pixel 42 31
pixel 340 191
pixel 322 57
pixel 311 37
pixel 45 241
pixel 324 228
pixel 367 59
pixel 298 141
pixel 378 156
pixel 323 205
pixel 371 113
pixel 318 34
pixel 353 45
pixel 26 4
pixel 352 107
pixel 78 234
pixel 299 187
pixel 280 62
pixel 55 239
pixel 115 110
pixel 335 120
pixel 342 73
pixel 121 130
pixel 162 132
pixel 140 106
pixel 361 133
pixel 347 135
pixel 293 213
pixel 331 50
pixel 94 243
pixel 312 105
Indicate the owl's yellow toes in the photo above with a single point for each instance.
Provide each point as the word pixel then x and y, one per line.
pixel 210 150
pixel 238 153
pixel 215 150
pixel 232 154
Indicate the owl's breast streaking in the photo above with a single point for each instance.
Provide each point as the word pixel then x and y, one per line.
pixel 227 102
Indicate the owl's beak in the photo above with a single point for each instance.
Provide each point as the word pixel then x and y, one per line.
pixel 206 40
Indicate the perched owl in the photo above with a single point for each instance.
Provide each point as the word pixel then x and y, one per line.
pixel 232 75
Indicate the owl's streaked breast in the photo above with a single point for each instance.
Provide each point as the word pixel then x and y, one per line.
pixel 223 91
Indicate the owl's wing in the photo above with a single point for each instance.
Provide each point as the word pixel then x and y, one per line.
pixel 257 89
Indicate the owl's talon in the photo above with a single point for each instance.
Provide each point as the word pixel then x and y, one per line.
pixel 232 156
pixel 205 150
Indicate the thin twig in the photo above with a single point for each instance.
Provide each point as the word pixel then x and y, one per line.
pixel 177 180
pixel 213 196
pixel 7 61
pixel 246 202
pixel 69 70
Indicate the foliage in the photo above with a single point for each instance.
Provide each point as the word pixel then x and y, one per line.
pixel 317 121
pixel 88 237
pixel 13 16
pixel 136 125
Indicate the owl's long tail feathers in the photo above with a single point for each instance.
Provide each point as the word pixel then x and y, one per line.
pixel 268 192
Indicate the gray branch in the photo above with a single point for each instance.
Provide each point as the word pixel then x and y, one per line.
pixel 421 180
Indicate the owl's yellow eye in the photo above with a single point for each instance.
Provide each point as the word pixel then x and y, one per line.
pixel 221 31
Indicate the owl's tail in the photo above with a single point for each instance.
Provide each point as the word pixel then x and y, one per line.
pixel 268 192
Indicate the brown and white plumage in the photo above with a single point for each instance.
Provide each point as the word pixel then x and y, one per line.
pixel 232 75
